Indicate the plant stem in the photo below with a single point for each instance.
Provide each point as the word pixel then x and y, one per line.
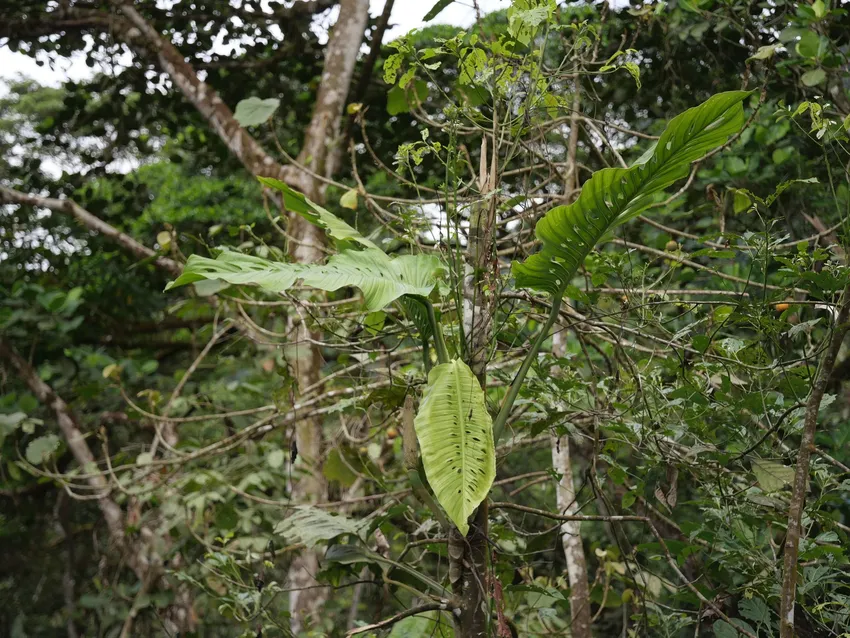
pixel 439 342
pixel 788 593
pixel 513 391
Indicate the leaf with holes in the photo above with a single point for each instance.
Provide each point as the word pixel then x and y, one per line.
pixel 615 195
pixel 381 279
pixel 237 268
pixel 455 435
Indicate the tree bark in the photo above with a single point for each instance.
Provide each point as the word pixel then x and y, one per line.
pixel 69 207
pixel 317 156
pixel 800 486
pixel 74 439
pixel 468 558
pixel 561 461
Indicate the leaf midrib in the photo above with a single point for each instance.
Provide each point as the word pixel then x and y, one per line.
pixel 459 404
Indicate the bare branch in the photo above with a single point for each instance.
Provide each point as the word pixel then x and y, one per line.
pixel 413 611
pixel 69 207
pixel 69 425
pixel 801 475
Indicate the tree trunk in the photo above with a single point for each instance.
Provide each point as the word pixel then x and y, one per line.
pixel 800 486
pixel 140 555
pixel 561 460
pixel 571 530
pixel 571 539
pixel 318 157
pixel 318 154
pixel 468 558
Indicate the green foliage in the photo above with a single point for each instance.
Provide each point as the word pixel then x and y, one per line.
pixel 615 195
pixel 335 228
pixel 381 279
pixel 311 525
pixel 253 111
pixel 41 449
pixel 678 381
pixel 455 435
pixel 434 11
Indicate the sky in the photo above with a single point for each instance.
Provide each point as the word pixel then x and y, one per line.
pixel 407 15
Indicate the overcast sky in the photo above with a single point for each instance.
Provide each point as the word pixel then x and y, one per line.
pixel 407 15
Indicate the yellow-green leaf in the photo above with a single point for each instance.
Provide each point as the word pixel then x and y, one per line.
pixel 772 476
pixel 455 435
pixel 349 200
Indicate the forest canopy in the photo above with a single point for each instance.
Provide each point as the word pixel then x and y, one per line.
pixel 531 326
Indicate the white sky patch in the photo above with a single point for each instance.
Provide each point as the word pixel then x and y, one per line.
pixel 407 15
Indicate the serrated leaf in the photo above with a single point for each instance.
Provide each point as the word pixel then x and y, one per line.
pixel 310 525
pixel 455 435
pixel 754 609
pixel 615 195
pixel 526 16
pixel 40 449
pixel 253 111
pixel 381 279
pixel 772 476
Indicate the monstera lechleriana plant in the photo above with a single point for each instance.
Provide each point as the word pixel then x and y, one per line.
pixel 455 430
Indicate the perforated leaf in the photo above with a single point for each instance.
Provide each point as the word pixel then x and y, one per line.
pixel 315 214
pixel 311 525
pixel 455 435
pixel 615 195
pixel 381 279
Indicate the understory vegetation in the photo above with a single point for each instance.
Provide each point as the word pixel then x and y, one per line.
pixel 533 327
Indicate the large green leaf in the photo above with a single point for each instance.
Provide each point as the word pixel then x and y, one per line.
pixel 615 195
pixel 238 268
pixel 381 279
pixel 311 525
pixel 455 435
pixel 417 310
pixel 315 214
